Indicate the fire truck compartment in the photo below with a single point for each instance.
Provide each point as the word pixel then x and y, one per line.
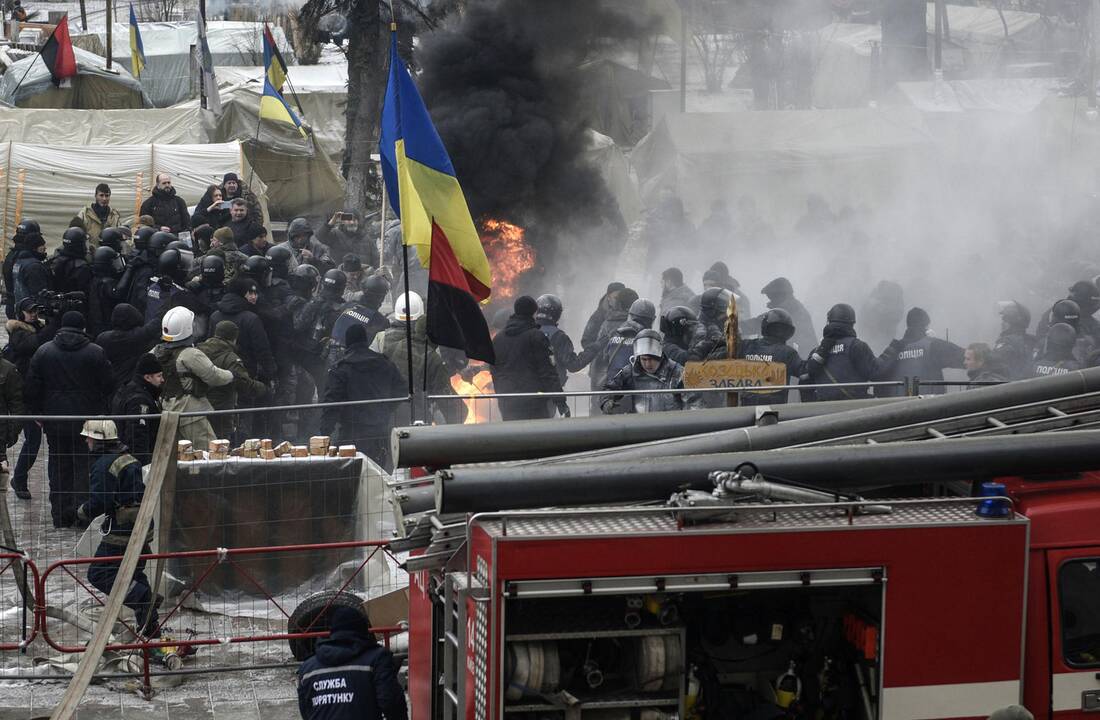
pixel 652 613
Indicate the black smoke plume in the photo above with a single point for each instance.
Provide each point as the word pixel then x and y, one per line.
pixel 504 95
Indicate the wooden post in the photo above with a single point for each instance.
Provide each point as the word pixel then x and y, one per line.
pixel 164 459
pixel 110 23
pixel 83 16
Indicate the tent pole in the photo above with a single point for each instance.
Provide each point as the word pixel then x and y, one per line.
pixel 110 22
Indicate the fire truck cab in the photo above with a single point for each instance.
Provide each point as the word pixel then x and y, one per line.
pixel 919 608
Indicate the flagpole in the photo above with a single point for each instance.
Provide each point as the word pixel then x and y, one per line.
pixel 405 274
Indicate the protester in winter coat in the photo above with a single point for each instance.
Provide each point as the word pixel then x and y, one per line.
pixel 350 676
pixel 98 216
pixel 211 209
pixel 345 234
pixel 70 375
pixel 140 396
pixel 238 306
pixel 168 210
pixel 222 351
pixel 243 227
pixel 232 189
pixel 525 365
pixel 24 338
pixel 127 341
pixel 188 376
pixel 362 374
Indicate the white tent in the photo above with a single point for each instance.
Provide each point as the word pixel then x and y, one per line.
pixel 50 183
pixel 105 127
pixel 27 83
pixel 168 72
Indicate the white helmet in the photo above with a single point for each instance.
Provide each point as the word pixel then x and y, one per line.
pixel 415 306
pixel 178 324
pixel 100 430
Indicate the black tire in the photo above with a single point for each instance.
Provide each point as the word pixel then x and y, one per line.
pixel 313 613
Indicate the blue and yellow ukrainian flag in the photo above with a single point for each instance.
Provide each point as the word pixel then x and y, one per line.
pixel 274 65
pixel 137 48
pixel 435 219
pixel 274 107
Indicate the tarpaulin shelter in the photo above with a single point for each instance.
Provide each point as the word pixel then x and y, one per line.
pixel 779 157
pixel 27 83
pixel 168 73
pixel 170 126
pixel 52 182
pixel 615 99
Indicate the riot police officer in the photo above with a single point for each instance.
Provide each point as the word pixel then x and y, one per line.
pixel 566 359
pixel 777 327
pixel 616 353
pixel 1057 356
pixel 107 288
pixel 69 266
pixel 840 358
pixel 918 355
pixel 686 338
pixel 1015 347
pixel 648 369
pixel 314 322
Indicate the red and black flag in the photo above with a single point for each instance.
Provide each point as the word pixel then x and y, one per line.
pixel 58 54
pixel 454 316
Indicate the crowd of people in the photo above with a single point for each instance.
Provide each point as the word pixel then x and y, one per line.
pixel 199 312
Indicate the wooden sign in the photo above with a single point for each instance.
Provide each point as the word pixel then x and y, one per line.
pixel 734 374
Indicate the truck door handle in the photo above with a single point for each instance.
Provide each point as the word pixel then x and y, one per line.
pixel 1090 701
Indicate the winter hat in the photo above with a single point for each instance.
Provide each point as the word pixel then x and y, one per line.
pixel 349 619
pixel 241 285
pixel 27 303
pixel 351 263
pixel 355 334
pixel 525 306
pixel 227 330
pixel 224 235
pixel 73 319
pixel 917 318
pixel 148 365
pixel 230 176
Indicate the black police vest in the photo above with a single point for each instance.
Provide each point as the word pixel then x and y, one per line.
pixel 839 368
pixel 915 360
pixel 1046 368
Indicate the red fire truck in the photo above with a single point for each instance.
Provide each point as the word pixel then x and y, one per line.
pixel 922 608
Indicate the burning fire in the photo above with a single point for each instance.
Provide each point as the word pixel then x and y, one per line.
pixel 508 253
pixel 477 411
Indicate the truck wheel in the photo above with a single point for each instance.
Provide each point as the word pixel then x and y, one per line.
pixel 312 614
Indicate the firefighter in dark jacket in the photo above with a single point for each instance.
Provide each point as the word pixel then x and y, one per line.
pixel 70 375
pixel 168 210
pixel 525 364
pixel 350 676
pixel 566 359
pixel 116 488
pixel 777 327
pixel 127 340
pixel 24 338
pixel 362 374
pixel 840 358
pixel 919 356
pixel 140 396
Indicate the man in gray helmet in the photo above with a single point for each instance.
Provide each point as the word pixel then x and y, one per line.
pixel 648 369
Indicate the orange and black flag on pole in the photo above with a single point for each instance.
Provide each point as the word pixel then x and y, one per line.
pixel 425 194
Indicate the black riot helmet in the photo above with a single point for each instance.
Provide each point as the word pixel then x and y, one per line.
pixel 1014 315
pixel 304 279
pixel 549 308
pixel 333 285
pixel 1086 295
pixel 106 262
pixel 158 242
pixel 28 229
pixel 643 312
pixel 777 323
pixel 212 272
pixel 186 255
pixel 142 236
pixel 374 290
pixel 1061 337
pixel 171 265
pixel 1065 311
pixel 74 242
pixel 258 268
pixel 677 320
pixel 112 238
pixel 841 313
pixel 714 302
pixel 279 257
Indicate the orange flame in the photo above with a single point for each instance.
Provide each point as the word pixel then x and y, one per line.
pixel 477 411
pixel 509 255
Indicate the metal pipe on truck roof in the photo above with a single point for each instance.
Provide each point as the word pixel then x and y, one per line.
pixel 838 425
pixel 841 468
pixel 447 445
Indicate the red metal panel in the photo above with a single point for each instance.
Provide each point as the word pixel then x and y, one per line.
pixel 947 586
pixel 1037 653
pixel 421 646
